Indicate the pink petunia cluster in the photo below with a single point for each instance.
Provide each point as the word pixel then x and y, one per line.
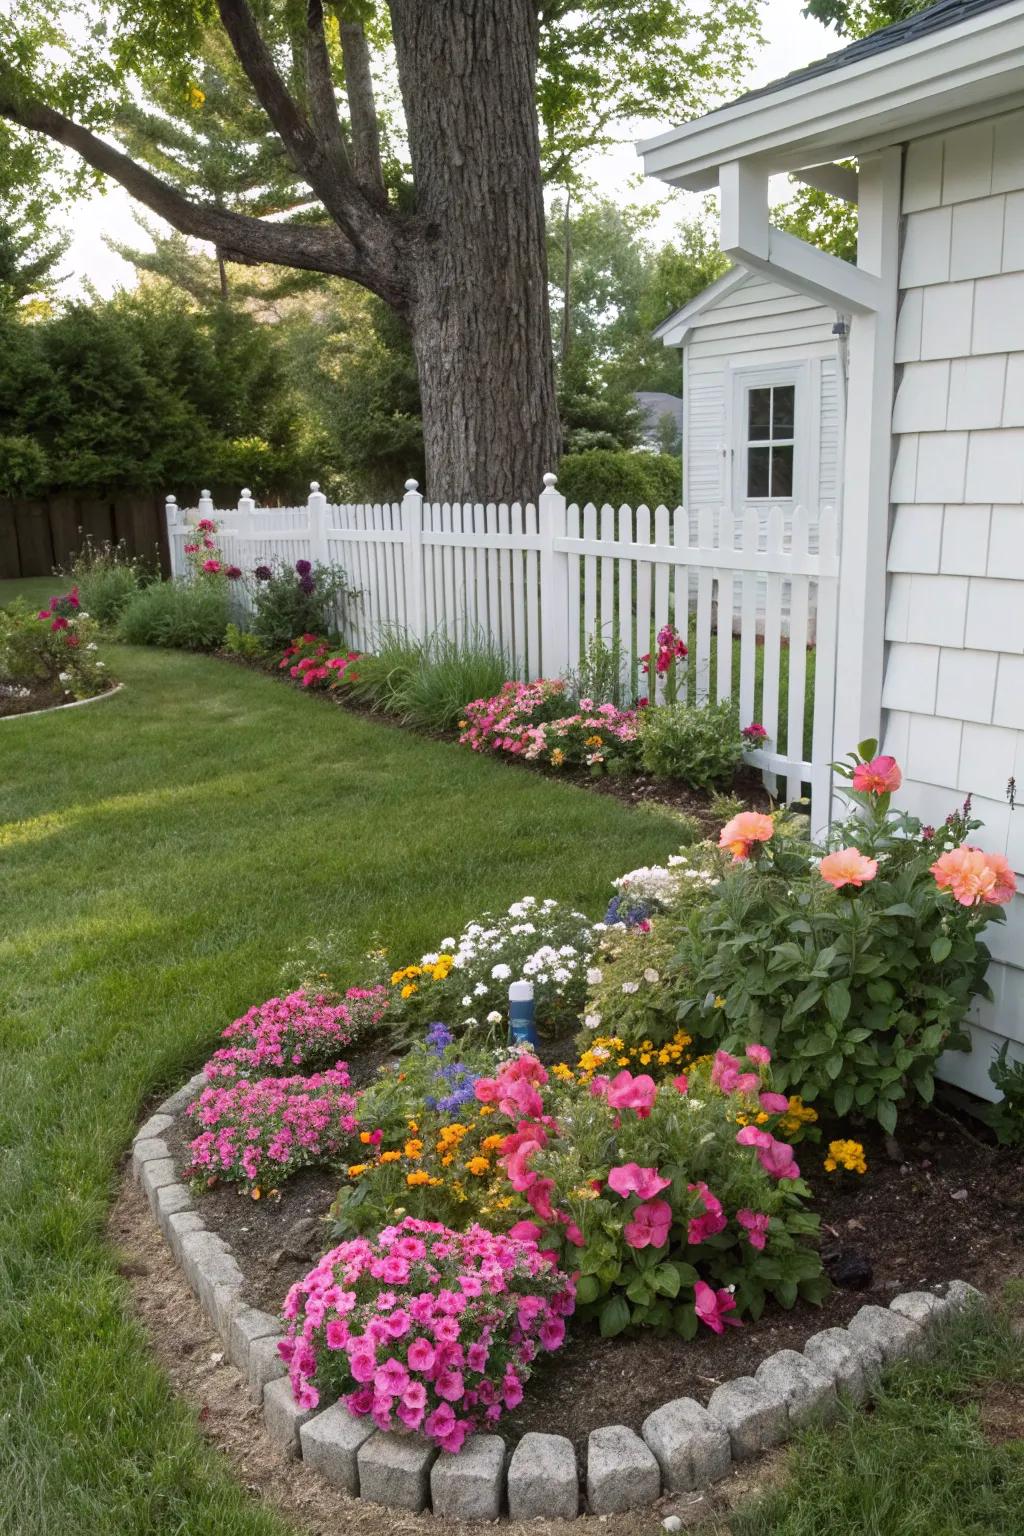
pixel 264 1131
pixel 530 720
pixel 295 1032
pixel 424 1328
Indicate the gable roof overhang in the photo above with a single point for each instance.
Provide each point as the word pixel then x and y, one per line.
pixel 970 69
pixel 674 331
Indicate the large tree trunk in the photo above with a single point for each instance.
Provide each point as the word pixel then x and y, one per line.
pixel 479 310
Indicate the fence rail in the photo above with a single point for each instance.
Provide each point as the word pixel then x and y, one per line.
pixel 752 594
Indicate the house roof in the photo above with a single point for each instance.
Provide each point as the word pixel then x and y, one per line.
pixel 957 61
pixel 674 331
pixel 945 13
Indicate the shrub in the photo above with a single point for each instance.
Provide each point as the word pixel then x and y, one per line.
pixel 700 744
pixel 855 962
pixel 295 600
pixel 530 720
pixel 107 578
pixel 601 674
pixel 465 983
pixel 620 479
pixel 676 1204
pixel 240 642
pixel 260 1133
pixel 303 1031
pixel 424 1328
pixel 1007 1116
pixel 189 616
pixel 51 650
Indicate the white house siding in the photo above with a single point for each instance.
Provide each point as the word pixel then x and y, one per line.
pixel 954 685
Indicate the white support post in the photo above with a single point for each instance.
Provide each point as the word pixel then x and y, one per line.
pixel 173 516
pixel 205 507
pixel 554 580
pixel 316 505
pixel 864 534
pixel 246 505
pixel 412 538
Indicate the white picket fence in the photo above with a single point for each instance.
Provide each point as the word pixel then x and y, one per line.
pixel 539 580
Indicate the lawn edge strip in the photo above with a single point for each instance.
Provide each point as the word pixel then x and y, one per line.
pixel 51 709
pixel 682 1447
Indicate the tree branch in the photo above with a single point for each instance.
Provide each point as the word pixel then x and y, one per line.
pixel 236 236
pixel 362 110
pixel 320 86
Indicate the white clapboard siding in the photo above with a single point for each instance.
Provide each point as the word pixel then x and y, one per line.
pixel 542 581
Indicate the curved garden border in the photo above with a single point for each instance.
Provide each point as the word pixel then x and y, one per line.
pixel 682 1445
pixel 28 714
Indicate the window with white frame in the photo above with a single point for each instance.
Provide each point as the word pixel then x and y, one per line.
pixel 770 441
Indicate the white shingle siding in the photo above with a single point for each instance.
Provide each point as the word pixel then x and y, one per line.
pixel 954 685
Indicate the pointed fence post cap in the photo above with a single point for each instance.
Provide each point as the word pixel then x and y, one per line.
pixel 314 485
pixel 550 480
pixel 412 485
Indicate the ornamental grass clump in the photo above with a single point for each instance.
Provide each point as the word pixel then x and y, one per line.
pixel 260 1133
pixel 855 961
pixel 303 1031
pixel 678 1203
pixel 425 1329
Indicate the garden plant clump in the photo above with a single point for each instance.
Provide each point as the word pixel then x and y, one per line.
pixel 302 1031
pixel 262 1131
pixel 536 722
pixel 424 1328
pixel 49 656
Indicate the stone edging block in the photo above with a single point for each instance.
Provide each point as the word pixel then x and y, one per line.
pixel 682 1445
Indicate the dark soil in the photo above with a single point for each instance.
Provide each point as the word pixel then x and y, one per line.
pixel 39 696
pixel 942 1204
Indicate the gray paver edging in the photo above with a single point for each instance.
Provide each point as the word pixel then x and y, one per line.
pixel 682 1445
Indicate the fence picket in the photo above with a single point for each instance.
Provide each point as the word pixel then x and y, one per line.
pixel 705 603
pixel 661 613
pixel 798 616
pixel 643 596
pixel 626 601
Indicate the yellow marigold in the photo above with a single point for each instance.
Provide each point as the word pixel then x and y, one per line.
pixel 478 1166
pixel 492 1143
pixel 463 724
pixel 563 1072
pixel 594 741
pixel 487 1109
pixel 557 758
pixel 409 988
pixel 846 1154
pixel 365 1137
pixel 355 1169
pixel 414 1149
pixel 390 1157
pixel 418 1176
pixel 624 1061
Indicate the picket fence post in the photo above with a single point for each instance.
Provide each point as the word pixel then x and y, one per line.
pixel 317 508
pixel 173 517
pixel 412 533
pixel 554 580
pixel 205 507
pixel 246 505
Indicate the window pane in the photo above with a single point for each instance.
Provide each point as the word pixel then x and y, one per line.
pixel 783 410
pixel 759 413
pixel 782 471
pixel 757 471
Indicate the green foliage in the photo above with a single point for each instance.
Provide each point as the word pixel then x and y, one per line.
pixel 601 674
pixel 53 650
pixel 290 602
pixel 447 676
pixel 699 744
pixel 241 642
pixel 822 220
pixel 189 616
pixel 107 578
pixel 620 479
pixel 1007 1116
pixel 23 467
pixel 29 249
pixel 857 18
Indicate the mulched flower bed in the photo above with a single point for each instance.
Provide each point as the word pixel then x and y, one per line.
pixel 941 1203
pixel 26 699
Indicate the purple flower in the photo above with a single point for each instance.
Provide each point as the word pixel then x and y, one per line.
pixel 303 567
pixel 307 584
pixel 263 573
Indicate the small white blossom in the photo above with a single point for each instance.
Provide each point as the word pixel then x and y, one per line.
pixel 592 1020
pixel 630 986
pixel 651 975
pixel 64 677
pixel 429 959
pixel 447 943
pixel 494 1017
pixel 480 989
pixel 467 1002
pixel 594 975
pixel 501 972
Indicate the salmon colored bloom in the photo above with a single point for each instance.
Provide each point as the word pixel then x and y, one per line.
pixel 746 829
pixel 972 876
pixel 847 866
pixel 879 777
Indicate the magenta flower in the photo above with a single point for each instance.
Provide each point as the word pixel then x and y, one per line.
pixel 775 1157
pixel 650 1225
pixel 712 1307
pixel 713 1219
pixel 628 1092
pixel 755 1223
pixel 630 1179
pixel 773 1103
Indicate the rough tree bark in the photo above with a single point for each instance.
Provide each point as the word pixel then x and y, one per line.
pixel 467 269
pixel 479 311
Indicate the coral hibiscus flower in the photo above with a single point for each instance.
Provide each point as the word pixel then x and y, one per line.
pixel 847 866
pixel 741 833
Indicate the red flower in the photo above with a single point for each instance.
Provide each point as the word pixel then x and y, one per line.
pixel 59 623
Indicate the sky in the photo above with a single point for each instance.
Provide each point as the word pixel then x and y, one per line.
pixel 791 40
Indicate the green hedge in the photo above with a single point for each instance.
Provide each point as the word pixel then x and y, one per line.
pixel 621 478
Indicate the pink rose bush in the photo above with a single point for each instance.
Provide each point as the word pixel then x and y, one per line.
pixel 261 1132
pixel 652 1191
pixel 856 962
pixel 534 721
pixel 425 1329
pixel 300 1031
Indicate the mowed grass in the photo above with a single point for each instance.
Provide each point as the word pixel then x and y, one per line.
pixel 36 590
pixel 161 850
pixel 941 1452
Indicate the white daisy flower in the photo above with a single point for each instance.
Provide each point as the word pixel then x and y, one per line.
pixel 501 972
pixel 595 975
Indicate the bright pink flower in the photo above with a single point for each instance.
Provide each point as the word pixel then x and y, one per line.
pixel 211 567
pixel 775 1157
pixel 526 1232
pixel 630 1179
pixel 713 1219
pixel 712 1306
pixel 552 1333
pixel 759 1053
pixel 681 1082
pixel 879 777
pixel 628 1092
pixel 847 866
pixel 756 1225
pixel 650 1225
pixel 391 1378
pixel 773 1103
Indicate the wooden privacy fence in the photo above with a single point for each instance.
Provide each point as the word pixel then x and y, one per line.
pixel 748 592
pixel 35 536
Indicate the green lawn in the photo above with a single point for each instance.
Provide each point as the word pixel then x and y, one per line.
pixel 36 590
pixel 160 852
pixel 940 1454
